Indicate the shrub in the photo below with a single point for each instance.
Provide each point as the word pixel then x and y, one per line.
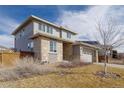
pixel 25 67
pixel 8 74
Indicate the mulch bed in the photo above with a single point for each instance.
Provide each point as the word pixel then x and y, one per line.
pixel 107 75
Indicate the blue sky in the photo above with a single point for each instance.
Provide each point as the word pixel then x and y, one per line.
pixel 12 16
pixel 79 18
pixel 50 13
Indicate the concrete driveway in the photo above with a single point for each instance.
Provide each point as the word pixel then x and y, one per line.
pixel 111 65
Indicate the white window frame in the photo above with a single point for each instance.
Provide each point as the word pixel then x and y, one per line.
pixel 44 27
pixel 68 35
pixel 30 45
pixel 53 46
pixel 49 30
pixel 40 26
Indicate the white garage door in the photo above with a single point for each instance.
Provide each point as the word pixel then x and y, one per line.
pixel 86 58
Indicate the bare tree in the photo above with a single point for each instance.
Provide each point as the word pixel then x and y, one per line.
pixel 110 35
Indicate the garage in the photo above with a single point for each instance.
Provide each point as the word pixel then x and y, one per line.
pixel 85 52
pixel 86 55
pixel 86 58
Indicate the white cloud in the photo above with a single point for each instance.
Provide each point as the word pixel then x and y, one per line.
pixel 83 22
pixel 7 25
pixel 7 40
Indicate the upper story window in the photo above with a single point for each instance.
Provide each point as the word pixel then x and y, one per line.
pixel 49 30
pixel 68 35
pixel 45 28
pixel 40 26
pixel 53 46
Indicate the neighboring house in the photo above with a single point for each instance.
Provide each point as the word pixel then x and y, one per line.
pixel 48 42
pixel 2 48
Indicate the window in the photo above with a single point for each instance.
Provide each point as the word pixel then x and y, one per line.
pixel 44 27
pixel 84 51
pixel 40 26
pixel 68 35
pixel 53 47
pixel 49 29
pixel 30 45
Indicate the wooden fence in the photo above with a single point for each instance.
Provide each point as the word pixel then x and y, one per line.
pixel 8 59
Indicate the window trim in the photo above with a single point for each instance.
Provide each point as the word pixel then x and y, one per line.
pixel 39 26
pixel 43 27
pixel 30 45
pixel 69 35
pixel 49 29
pixel 53 46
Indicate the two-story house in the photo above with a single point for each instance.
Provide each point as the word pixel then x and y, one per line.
pixel 48 42
pixel 45 39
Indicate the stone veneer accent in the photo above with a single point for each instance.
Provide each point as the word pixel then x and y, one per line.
pixel 42 47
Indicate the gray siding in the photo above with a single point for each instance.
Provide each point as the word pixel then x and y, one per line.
pixel 21 43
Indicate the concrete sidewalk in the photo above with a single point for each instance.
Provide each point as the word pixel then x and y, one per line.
pixel 111 65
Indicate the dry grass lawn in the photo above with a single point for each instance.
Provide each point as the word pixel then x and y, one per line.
pixel 79 77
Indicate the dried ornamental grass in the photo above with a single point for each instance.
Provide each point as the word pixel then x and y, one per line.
pixel 25 67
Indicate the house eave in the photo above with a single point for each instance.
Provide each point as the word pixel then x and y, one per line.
pixel 51 37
